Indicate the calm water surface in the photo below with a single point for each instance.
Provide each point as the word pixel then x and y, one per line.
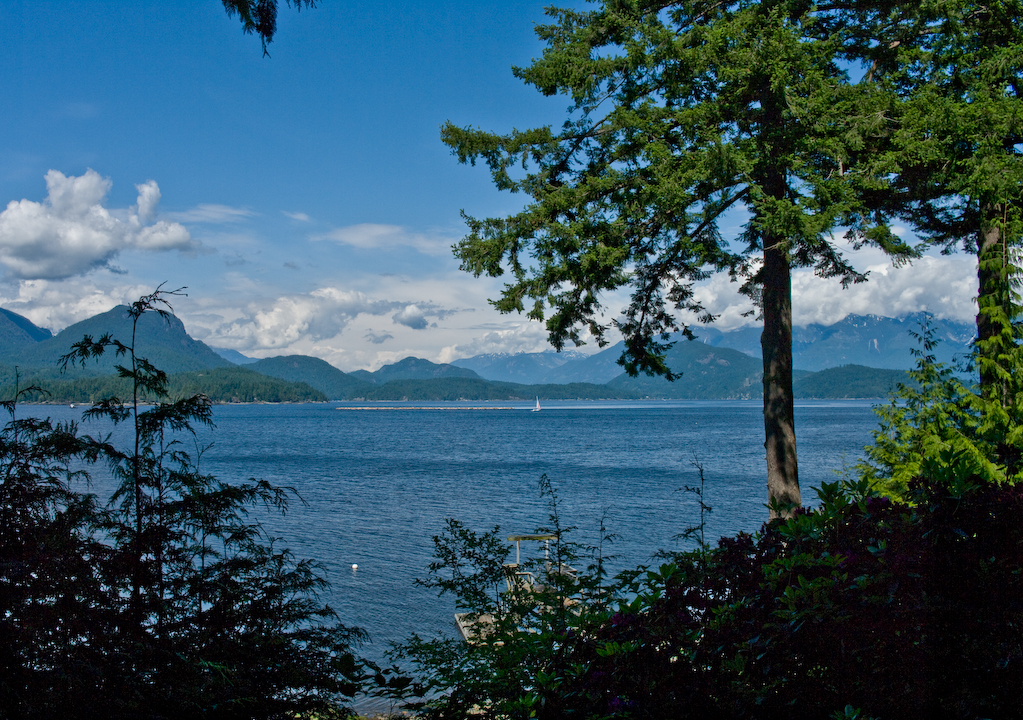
pixel 378 483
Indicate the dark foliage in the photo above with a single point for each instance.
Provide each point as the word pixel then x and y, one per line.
pixel 55 608
pixel 220 385
pixel 260 16
pixel 170 602
pixel 900 611
pixel 862 608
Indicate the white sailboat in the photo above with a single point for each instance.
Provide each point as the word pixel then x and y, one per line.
pixel 537 408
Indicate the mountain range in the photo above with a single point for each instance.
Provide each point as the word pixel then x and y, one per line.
pixel 861 356
pixel 867 340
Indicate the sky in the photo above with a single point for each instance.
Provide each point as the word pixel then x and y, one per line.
pixel 305 199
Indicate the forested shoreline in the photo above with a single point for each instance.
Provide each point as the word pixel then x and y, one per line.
pixel 240 385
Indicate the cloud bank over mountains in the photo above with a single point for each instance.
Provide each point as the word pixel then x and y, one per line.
pixel 943 285
pixel 276 325
pixel 357 296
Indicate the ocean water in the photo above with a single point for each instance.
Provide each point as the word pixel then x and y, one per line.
pixel 379 481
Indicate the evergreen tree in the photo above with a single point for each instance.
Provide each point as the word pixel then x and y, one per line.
pixel 172 602
pixel 953 153
pixel 260 16
pixel 955 150
pixel 941 429
pixel 55 608
pixel 683 112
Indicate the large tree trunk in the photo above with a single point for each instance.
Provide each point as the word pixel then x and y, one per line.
pixel 992 300
pixel 779 420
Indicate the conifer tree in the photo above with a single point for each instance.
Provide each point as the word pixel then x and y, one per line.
pixel 260 16
pixel 955 151
pixel 54 604
pixel 171 602
pixel 682 113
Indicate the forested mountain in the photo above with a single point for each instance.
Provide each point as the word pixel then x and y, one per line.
pixel 527 368
pixel 850 381
pixel 225 385
pixel 318 373
pixel 710 373
pixel 233 356
pixel 707 372
pixel 412 368
pixel 17 332
pixel 868 340
pixel 599 368
pixel 712 368
pixel 165 343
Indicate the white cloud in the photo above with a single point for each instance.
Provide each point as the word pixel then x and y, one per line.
pixel 944 285
pixel 441 316
pixel 300 217
pixel 321 314
pixel 517 337
pixel 149 198
pixel 720 297
pixel 71 233
pixel 411 316
pixel 374 236
pixel 351 326
pixel 298 321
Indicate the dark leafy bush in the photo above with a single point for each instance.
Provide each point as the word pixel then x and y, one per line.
pixel 902 611
pixel 862 608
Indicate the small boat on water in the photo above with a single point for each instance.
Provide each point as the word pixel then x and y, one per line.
pixel 537 408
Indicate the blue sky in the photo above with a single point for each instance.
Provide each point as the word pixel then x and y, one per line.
pixel 304 199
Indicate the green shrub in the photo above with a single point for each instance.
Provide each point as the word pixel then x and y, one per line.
pixel 863 607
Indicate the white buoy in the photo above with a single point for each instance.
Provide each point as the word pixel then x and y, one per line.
pixel 355 566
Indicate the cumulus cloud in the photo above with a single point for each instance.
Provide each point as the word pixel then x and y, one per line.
pixel 411 316
pixel 374 236
pixel 71 232
pixel 284 321
pixel 149 198
pixel 378 339
pixel 945 286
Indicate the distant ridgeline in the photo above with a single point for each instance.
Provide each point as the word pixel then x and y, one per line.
pixel 859 357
